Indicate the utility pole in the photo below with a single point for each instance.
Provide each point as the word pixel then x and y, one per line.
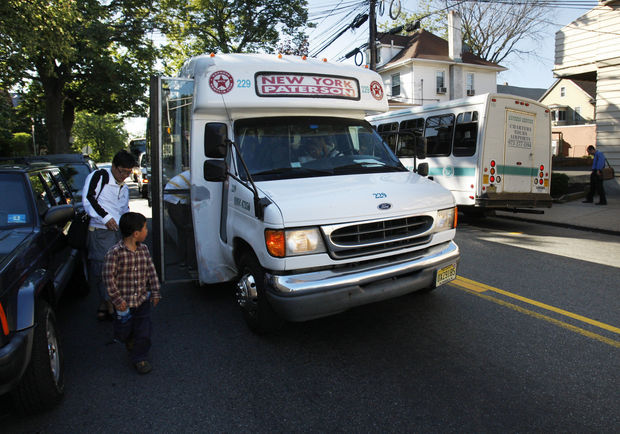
pixel 372 40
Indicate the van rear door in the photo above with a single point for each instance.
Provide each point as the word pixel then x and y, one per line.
pixel 519 136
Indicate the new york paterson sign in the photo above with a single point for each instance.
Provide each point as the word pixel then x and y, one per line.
pixel 286 84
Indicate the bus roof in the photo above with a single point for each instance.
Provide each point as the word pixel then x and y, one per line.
pixel 461 102
pixel 246 83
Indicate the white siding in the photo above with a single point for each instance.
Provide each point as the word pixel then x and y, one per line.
pixel 608 113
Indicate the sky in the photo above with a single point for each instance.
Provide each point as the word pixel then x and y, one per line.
pixel 531 71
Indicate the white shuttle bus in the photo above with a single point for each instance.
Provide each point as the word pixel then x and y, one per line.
pixel 293 195
pixel 492 151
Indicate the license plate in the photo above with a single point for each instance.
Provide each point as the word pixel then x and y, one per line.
pixel 445 274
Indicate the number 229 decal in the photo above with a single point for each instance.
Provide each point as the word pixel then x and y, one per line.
pixel 379 195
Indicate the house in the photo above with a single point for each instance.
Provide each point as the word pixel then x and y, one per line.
pixel 587 49
pixel 573 107
pixel 422 68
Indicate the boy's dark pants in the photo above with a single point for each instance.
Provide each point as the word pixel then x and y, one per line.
pixel 138 328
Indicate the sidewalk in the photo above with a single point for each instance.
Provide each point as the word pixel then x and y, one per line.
pixel 575 214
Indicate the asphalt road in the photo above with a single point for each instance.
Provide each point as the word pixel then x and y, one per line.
pixel 526 340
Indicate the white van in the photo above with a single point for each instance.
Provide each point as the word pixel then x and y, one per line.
pixel 294 196
pixel 492 151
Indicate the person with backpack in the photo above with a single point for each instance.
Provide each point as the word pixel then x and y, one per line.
pixel 106 200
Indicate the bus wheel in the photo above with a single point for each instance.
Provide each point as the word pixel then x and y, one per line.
pixel 257 312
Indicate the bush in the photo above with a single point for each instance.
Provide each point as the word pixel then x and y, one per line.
pixel 559 184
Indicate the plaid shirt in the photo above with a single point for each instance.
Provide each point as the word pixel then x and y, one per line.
pixel 129 275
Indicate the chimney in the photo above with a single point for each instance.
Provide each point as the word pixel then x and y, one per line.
pixel 455 40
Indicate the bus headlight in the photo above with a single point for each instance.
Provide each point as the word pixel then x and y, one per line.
pixel 446 219
pixel 294 242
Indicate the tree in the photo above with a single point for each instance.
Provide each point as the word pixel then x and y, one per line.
pixel 491 30
pixel 86 55
pixel 101 136
pixel 228 26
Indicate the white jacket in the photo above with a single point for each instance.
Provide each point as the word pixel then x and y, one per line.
pixel 104 199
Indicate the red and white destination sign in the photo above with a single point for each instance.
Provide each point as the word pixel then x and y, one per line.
pixel 306 85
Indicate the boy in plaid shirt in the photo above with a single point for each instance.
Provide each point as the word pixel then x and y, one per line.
pixel 132 284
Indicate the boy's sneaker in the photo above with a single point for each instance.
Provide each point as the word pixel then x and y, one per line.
pixel 143 367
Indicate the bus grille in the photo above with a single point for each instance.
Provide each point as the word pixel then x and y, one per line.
pixel 377 236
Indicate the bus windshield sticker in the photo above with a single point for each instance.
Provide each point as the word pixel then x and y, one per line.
pixel 282 84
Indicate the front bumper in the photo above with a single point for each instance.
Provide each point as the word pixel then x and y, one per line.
pixel 305 296
pixel 14 359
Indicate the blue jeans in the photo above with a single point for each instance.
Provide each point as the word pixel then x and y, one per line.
pixel 137 328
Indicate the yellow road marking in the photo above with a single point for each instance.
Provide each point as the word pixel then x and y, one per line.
pixel 557 322
pixel 481 287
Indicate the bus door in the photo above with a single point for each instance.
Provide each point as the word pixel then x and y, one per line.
pixel 171 102
pixel 519 165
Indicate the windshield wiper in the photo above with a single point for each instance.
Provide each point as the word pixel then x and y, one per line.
pixel 292 170
pixel 366 165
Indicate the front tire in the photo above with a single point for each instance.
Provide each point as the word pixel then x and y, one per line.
pixel 251 298
pixel 43 383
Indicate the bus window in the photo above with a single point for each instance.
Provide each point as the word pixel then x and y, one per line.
pixel 465 134
pixel 438 132
pixel 406 146
pixel 384 131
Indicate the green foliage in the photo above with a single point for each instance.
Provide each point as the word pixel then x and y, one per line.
pixel 20 144
pixel 430 19
pixel 93 55
pixel 559 184
pixel 229 26
pixel 101 136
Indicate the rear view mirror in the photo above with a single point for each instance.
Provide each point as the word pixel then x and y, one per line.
pixel 216 134
pixel 215 170
pixel 422 169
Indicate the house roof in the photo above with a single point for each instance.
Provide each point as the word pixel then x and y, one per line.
pixel 425 45
pixel 588 87
pixel 526 92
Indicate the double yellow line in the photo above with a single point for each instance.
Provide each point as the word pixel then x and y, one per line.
pixel 479 289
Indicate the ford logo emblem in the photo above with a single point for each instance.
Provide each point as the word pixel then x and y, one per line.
pixel 385 206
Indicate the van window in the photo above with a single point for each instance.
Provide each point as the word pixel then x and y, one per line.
pixel 385 130
pixel 465 134
pixel 438 131
pixel 298 147
pixel 406 145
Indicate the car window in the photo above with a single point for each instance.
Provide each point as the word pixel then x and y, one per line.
pixel 14 206
pixel 42 198
pixel 62 186
pixel 53 188
pixel 75 175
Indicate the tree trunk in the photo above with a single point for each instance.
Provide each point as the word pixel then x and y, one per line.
pixel 57 133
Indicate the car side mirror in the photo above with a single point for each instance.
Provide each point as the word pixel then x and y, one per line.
pixel 58 215
pixel 422 169
pixel 215 170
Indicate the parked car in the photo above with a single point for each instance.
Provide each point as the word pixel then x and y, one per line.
pixel 74 167
pixel 36 267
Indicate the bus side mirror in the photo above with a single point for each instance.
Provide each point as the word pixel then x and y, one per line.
pixel 215 170
pixel 215 140
pixel 422 169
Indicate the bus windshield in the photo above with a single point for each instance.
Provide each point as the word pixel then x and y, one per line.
pixel 297 147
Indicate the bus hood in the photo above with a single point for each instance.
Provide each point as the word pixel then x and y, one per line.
pixel 347 198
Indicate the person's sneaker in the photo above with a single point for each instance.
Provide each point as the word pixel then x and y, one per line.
pixel 143 367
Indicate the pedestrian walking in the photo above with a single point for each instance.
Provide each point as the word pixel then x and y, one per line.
pixel 106 199
pixel 596 177
pixel 132 284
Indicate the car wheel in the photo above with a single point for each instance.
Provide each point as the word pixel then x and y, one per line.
pixel 43 383
pixel 257 312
